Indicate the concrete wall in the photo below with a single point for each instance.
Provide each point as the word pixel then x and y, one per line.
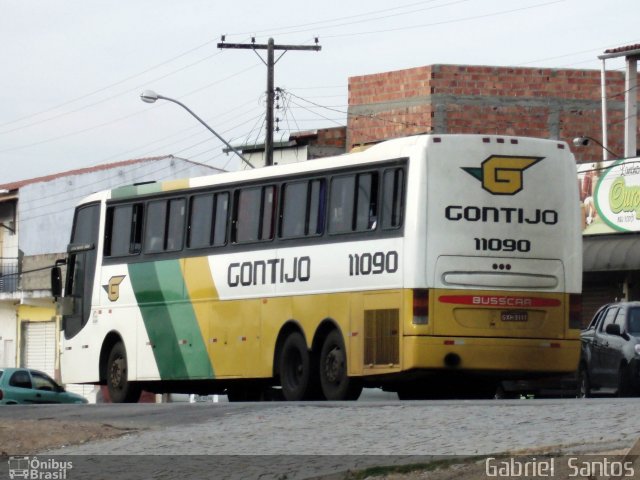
pixel 36 272
pixel 546 103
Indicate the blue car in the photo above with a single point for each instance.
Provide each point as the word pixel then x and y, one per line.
pixel 27 386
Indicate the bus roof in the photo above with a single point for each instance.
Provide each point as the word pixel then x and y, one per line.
pixel 381 152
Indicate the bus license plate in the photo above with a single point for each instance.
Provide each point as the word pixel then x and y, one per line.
pixel 514 316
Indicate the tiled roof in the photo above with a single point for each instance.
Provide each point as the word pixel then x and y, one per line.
pixel 628 48
pixel 82 171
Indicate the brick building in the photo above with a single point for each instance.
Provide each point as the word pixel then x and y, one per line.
pixel 537 102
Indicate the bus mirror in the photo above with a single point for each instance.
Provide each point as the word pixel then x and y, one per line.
pixel 56 282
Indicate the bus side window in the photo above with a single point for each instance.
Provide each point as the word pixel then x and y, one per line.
pixel 254 218
pixel 164 229
pixel 353 204
pixel 367 202
pixel 302 209
pixel 123 230
pixel 294 209
pixel 392 198
pixel 317 206
pixel 175 225
pixel 341 202
pixel 200 221
pixel 220 220
pixel 208 220
pixel 155 226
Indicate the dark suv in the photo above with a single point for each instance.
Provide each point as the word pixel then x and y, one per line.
pixel 610 356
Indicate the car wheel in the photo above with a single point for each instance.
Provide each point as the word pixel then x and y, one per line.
pixel 584 385
pixel 624 382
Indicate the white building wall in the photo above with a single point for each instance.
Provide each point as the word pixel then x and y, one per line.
pixel 45 209
pixel 281 156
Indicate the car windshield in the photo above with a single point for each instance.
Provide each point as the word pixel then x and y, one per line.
pixel 634 322
pixel 1 372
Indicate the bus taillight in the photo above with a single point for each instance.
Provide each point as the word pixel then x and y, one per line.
pixel 420 307
pixel 575 311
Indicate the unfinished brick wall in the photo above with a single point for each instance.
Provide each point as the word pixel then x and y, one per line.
pixel 538 102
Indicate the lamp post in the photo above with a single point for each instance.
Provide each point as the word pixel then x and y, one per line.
pixel 149 96
pixel 584 141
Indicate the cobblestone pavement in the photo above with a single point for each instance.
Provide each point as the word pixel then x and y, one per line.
pixel 310 440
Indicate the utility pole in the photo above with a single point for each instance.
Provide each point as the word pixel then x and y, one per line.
pixel 270 47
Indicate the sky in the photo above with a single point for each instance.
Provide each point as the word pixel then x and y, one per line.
pixel 73 70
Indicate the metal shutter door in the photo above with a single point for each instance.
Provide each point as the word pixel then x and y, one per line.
pixel 39 346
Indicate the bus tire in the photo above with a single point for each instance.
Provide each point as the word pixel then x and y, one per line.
pixel 121 390
pixel 334 379
pixel 294 367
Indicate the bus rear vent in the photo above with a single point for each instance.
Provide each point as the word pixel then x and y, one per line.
pixel 381 337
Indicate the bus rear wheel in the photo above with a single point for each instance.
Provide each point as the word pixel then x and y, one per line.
pixel 294 368
pixel 121 390
pixel 334 379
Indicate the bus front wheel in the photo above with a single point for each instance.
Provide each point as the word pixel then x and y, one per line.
pixel 121 390
pixel 335 382
pixel 294 368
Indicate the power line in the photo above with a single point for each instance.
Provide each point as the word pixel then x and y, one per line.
pixel 444 22
pixel 119 82
pixel 271 48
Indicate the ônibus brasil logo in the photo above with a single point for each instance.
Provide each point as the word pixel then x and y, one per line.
pixel 502 174
pixel 37 469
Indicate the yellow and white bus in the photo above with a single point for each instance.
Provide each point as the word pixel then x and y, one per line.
pixel 420 265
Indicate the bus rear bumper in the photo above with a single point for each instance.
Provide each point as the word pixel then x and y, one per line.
pixel 504 356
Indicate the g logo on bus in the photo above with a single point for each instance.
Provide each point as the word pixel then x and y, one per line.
pixel 113 287
pixel 502 174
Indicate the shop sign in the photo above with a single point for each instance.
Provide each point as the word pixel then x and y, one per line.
pixel 610 197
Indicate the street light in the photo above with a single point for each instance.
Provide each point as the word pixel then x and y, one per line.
pixel 584 141
pixel 149 96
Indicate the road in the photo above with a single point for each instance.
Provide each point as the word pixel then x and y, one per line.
pixel 305 440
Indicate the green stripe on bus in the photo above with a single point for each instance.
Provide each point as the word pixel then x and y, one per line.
pixel 136 190
pixel 170 321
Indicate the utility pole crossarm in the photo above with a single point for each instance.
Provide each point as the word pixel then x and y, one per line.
pixel 270 47
pixel 265 46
